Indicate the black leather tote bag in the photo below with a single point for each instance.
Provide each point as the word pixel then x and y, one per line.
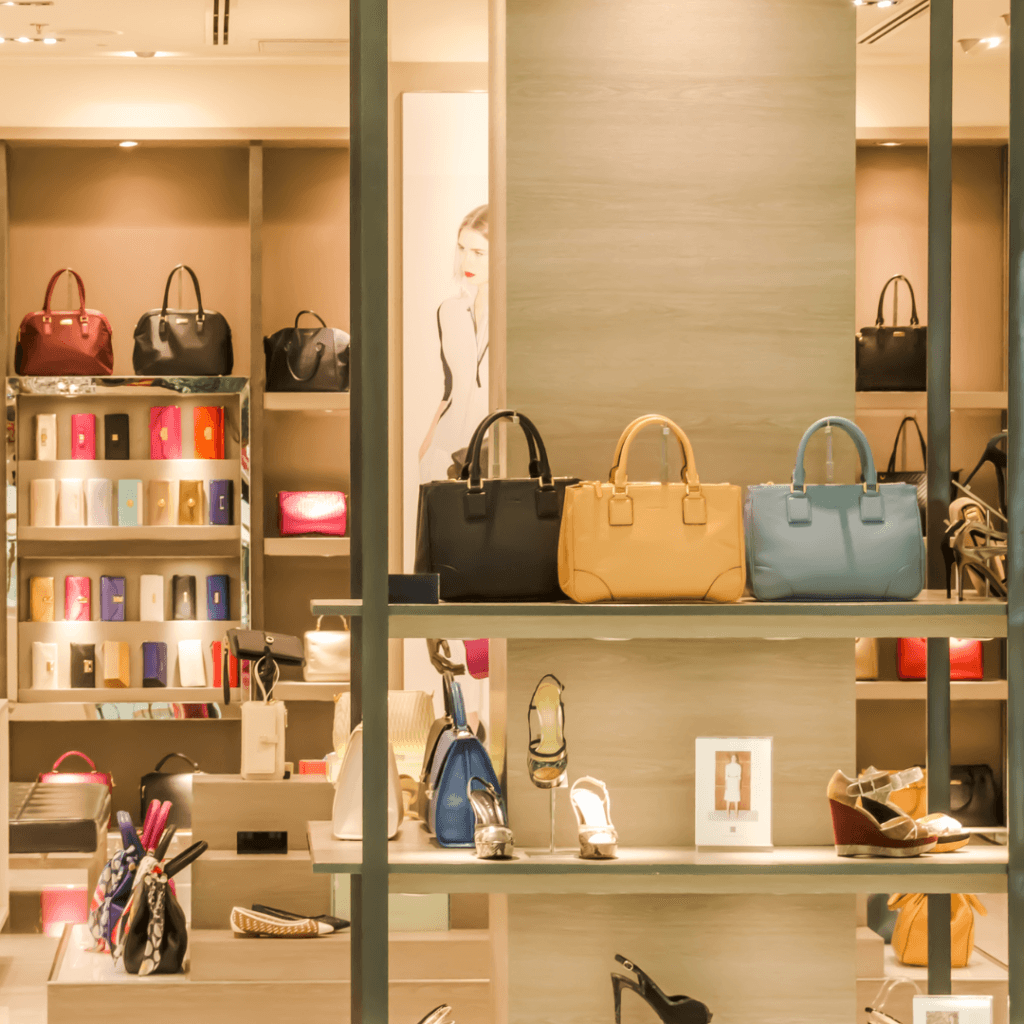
pixel 494 540
pixel 974 798
pixel 893 358
pixel 174 786
pixel 307 358
pixel 182 342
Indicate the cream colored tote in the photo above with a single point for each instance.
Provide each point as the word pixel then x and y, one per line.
pixel 630 541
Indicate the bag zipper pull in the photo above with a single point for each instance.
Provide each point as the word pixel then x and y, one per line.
pixel 830 466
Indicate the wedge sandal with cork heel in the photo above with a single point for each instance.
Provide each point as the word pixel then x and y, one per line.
pixel 865 827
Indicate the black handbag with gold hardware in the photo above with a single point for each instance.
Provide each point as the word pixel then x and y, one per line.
pixel 893 358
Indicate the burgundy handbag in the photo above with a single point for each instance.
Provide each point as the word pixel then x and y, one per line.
pixel 965 659
pixel 301 512
pixel 74 343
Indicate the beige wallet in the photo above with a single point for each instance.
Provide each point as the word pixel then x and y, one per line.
pixel 40 590
pixel 190 503
pixel 159 505
pixel 116 670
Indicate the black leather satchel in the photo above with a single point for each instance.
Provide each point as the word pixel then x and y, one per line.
pixel 182 342
pixel 974 798
pixel 307 358
pixel 893 358
pixel 176 787
pixel 494 540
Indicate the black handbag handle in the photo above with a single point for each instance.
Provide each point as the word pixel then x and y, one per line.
pixel 200 315
pixel 311 312
pixel 193 853
pixel 320 348
pixel 184 757
pixel 924 448
pixel 482 429
pixel 880 319
pixel 539 466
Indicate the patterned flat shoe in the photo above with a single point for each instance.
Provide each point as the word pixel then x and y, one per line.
pixel 252 924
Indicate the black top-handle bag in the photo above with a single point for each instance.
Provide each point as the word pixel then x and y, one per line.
pixel 307 358
pixel 494 540
pixel 182 342
pixel 893 358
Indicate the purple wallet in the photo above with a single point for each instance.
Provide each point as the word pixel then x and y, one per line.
pixel 154 664
pixel 112 598
pixel 222 503
pixel 217 603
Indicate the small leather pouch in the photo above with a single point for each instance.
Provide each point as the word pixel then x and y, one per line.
pixel 43 503
pixel 209 423
pixel 300 512
pixel 217 650
pixel 218 606
pixel 165 432
pixel 77 599
pixel 191 666
pixel 99 502
pixel 222 502
pixel 154 664
pixel 44 666
pixel 46 437
pixel 129 503
pixel 71 507
pixel 112 590
pixel 183 589
pixel 83 666
pixel 115 436
pixel 83 436
pixel 160 503
pixel 40 598
pixel 190 502
pixel 151 598
pixel 116 664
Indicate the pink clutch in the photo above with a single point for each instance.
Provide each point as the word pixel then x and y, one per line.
pixel 165 432
pixel 83 436
pixel 77 599
pixel 311 512
pixel 477 658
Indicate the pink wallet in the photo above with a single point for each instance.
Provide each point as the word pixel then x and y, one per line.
pixel 322 512
pixel 165 432
pixel 83 436
pixel 77 595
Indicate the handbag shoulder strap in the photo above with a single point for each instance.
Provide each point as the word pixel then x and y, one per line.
pixel 867 461
pixel 880 318
pixel 975 903
pixel 184 757
pixel 53 283
pixel 309 312
pixel 891 468
pixel 618 477
pixel 458 709
pixel 73 753
pixel 200 315
pixel 320 618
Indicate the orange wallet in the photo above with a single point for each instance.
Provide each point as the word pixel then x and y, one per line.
pixel 209 420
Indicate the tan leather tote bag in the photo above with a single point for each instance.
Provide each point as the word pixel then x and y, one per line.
pixel 630 541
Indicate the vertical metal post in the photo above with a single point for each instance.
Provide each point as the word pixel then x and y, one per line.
pixel 257 384
pixel 369 287
pixel 1015 501
pixel 940 228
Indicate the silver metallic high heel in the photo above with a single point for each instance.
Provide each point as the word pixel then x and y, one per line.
pixel 439 1015
pixel 548 757
pixel 492 836
pixel 593 809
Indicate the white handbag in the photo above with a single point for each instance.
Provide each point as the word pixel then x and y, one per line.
pixel 151 598
pixel 264 723
pixel 46 437
pixel 71 507
pixel 99 502
pixel 328 654
pixel 43 503
pixel 191 666
pixel 44 666
pixel 347 816
pixel 410 715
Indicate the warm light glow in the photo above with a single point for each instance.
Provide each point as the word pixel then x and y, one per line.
pixel 50 41
pixel 127 145
pixel 24 39
pixel 992 42
pixel 885 3
pixel 889 143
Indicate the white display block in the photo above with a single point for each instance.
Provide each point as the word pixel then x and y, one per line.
pixel 952 1009
pixel 733 791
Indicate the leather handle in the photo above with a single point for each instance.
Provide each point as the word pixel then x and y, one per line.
pixel 344 621
pixel 165 842
pixel 539 466
pixel 193 853
pixel 184 757
pixel 320 349
pixel 53 283
pixel 867 461
pixel 891 468
pixel 200 315
pixel 73 753
pixel 617 475
pixel 477 440
pixel 129 837
pixel 309 312
pixel 880 318
pixel 458 706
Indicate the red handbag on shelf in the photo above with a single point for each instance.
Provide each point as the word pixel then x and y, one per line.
pixel 73 343
pixel 477 658
pixel 323 512
pixel 98 777
pixel 965 659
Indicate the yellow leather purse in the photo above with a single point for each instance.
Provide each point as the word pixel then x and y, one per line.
pixel 910 936
pixel 866 657
pixel 626 540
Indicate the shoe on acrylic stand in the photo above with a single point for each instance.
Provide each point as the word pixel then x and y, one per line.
pixel 593 810
pixel 547 758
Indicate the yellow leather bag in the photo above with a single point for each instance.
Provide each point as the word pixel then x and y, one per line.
pixel 910 936
pixel 625 540
pixel 866 658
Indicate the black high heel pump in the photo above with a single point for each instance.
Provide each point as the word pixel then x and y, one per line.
pixel 671 1009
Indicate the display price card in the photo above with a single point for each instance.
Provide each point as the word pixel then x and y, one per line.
pixel 952 1009
pixel 733 791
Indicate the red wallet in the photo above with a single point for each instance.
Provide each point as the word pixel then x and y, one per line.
pixel 83 436
pixel 209 421
pixel 965 659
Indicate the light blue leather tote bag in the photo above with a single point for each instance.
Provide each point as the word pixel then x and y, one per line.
pixel 835 542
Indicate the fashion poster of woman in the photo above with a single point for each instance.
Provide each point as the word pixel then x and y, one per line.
pixel 445 312
pixel 733 791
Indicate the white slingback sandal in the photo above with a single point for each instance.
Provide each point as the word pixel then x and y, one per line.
pixel 590 803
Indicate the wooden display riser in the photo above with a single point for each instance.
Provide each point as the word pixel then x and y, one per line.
pixel 86 988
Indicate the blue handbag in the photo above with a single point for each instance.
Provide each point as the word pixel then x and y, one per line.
pixel 459 756
pixel 835 542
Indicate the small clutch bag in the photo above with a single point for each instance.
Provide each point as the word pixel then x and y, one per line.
pixel 46 437
pixel 190 503
pixel 165 432
pixel 129 503
pixel 71 507
pixel 217 598
pixel 321 512
pixel 40 598
pixel 151 598
pixel 115 436
pixel 191 666
pixel 183 589
pixel 217 650
pixel 160 504
pixel 222 502
pixel 154 664
pixel 116 664
pixel 209 424
pixel 99 502
pixel 77 599
pixel 83 436
pixel 44 666
pixel 112 590
pixel 83 666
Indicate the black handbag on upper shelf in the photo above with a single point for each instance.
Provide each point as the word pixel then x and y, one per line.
pixel 182 342
pixel 307 358
pixel 494 540
pixel 893 358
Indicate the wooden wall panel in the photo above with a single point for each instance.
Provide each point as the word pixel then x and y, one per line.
pixel 123 219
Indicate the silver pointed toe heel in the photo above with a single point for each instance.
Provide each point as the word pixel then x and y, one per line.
pixel 593 809
pixel 492 836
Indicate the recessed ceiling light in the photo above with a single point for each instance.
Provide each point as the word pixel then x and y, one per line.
pixel 49 41
pixel 127 144
pixel 144 53
pixel 23 39
pixel 890 143
pixel 992 41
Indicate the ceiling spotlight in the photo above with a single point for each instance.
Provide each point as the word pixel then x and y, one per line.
pixel 1005 18
pixel 890 143
pixel 992 41
pixel 23 39
pixel 127 144
pixel 144 53
pixel 49 41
